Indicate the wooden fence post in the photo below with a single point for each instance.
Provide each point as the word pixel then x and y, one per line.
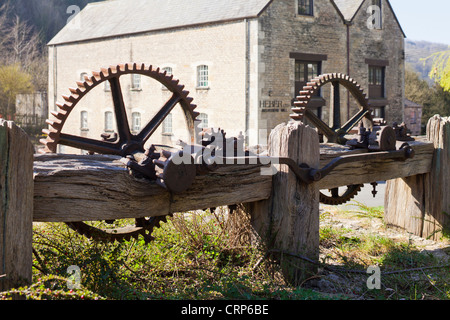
pixel 16 206
pixel 288 222
pixel 421 204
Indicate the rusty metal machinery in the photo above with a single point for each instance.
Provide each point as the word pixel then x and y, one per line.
pixel 371 136
pixel 175 168
pixel 123 143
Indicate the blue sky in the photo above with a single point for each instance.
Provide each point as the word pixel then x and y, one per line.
pixel 424 20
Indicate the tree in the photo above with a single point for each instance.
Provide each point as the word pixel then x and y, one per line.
pixel 434 99
pixel 21 60
pixel 13 81
pixel 441 68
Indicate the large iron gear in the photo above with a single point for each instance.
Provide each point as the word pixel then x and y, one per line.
pixel 126 142
pixel 123 143
pixel 336 133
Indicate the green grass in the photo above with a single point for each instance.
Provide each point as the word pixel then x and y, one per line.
pixel 211 256
pixel 408 272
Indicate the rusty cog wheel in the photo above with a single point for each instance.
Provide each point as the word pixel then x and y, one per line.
pixel 337 198
pixel 123 143
pixel 337 132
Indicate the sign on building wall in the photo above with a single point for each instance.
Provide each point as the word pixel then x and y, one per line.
pixel 273 106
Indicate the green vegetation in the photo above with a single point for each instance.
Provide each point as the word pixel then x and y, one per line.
pixel 207 256
pixel 441 68
pixel 434 99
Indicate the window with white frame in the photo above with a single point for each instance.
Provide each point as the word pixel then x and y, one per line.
pixel 109 121
pixel 135 81
pixel 202 76
pixel 167 128
pixel 203 118
pixel 136 121
pixel 84 120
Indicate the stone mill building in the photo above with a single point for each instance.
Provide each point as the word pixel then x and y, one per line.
pixel 243 61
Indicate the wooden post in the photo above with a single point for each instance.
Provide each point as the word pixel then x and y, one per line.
pixel 289 221
pixel 421 204
pixel 16 206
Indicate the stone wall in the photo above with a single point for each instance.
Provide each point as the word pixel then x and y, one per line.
pixel 380 44
pixel 283 31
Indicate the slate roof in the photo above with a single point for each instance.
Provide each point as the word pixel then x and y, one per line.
pixel 112 18
pixel 411 104
pixel 122 17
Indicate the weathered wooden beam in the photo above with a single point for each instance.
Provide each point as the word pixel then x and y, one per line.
pixel 289 220
pixel 71 188
pixel 16 206
pixel 362 172
pixel 420 204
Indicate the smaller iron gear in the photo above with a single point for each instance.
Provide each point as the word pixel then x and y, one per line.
pixel 337 199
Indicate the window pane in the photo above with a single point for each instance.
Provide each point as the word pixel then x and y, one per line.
pixel 202 76
pixel 371 75
pixel 167 125
pixel 168 71
pixel 313 69
pixel 203 118
pixel 305 7
pixel 84 120
pixel 136 120
pixel 379 77
pixel 136 81
pixel 300 71
pixel 109 121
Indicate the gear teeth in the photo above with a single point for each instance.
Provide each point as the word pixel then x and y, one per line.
pixel 189 99
pixel 75 91
pixel 50 145
pixel 52 134
pixel 161 164
pixel 312 87
pixel 66 107
pixel 58 115
pixel 299 110
pixel 55 124
pixel 98 76
pixel 81 85
pixel 297 117
pixel 71 98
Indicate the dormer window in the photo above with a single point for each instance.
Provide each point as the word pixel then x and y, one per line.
pixel 305 7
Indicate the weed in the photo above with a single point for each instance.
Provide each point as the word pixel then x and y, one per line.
pixel 213 255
